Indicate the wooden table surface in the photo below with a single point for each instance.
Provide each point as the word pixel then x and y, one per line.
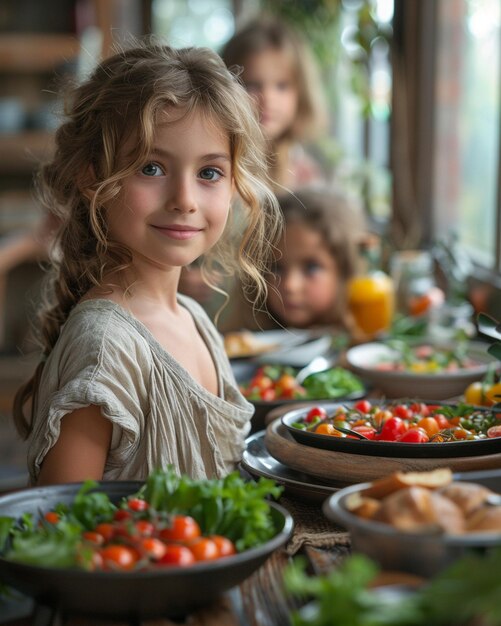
pixel 258 601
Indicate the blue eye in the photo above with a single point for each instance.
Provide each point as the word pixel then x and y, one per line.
pixel 311 267
pixel 152 169
pixel 283 86
pixel 211 174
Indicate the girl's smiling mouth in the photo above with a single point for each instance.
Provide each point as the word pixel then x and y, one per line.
pixel 178 231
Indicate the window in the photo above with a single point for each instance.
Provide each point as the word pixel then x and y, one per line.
pixel 467 126
pixel 446 126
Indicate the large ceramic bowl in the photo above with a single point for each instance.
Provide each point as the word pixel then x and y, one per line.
pixel 165 592
pixel 423 554
pixel 365 359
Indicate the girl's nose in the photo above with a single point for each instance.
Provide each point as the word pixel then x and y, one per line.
pixel 182 197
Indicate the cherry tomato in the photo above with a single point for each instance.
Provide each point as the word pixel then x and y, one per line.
pixel 92 537
pixel 367 431
pixel 420 408
pixel 144 528
pixel 381 416
pixel 136 504
pixel 107 531
pixel 183 528
pixel 327 429
pixel 262 382
pixel 121 515
pixel 204 549
pixel 118 557
pixel 286 381
pixel 315 412
pixel 224 545
pixel 461 433
pixel 442 421
pixel 494 431
pixel 414 435
pixel 176 554
pixel 403 411
pixel 52 517
pixel 393 428
pixel 289 394
pixel 268 395
pixel 153 548
pixel 364 406
pixel 429 425
pixel 474 393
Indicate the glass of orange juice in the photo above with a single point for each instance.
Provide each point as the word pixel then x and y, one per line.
pixel 371 299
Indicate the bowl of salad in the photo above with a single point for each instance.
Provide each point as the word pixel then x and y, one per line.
pixel 425 369
pixel 273 385
pixel 119 549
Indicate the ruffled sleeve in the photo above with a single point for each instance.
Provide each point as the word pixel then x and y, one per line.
pixel 95 362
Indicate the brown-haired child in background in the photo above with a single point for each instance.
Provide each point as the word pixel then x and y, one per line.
pixel 315 259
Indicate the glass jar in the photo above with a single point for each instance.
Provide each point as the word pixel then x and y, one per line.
pixel 415 290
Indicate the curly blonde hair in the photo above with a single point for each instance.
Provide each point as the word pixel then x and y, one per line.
pixel 126 94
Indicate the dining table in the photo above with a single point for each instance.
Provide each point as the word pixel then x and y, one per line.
pixel 261 600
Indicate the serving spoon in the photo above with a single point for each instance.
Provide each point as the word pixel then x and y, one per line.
pixel 318 364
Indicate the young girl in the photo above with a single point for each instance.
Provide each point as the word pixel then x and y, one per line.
pixel 134 375
pixel 315 258
pixel 279 73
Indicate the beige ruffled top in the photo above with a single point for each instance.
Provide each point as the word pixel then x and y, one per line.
pixel 161 415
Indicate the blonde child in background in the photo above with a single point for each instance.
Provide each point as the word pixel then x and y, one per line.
pixel 157 144
pixel 316 257
pixel 279 72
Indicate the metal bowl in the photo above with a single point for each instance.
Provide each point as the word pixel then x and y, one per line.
pixel 166 592
pixel 422 554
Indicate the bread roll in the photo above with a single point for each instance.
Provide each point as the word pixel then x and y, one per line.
pixel 361 506
pixel 468 496
pixel 485 519
pixel 385 486
pixel 417 509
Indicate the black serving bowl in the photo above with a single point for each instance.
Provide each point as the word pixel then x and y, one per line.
pixel 165 592
pixel 392 449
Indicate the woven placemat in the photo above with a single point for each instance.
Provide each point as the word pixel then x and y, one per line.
pixel 311 527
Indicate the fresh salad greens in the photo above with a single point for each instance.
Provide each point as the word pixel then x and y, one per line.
pixel 333 383
pixel 229 506
pixel 454 597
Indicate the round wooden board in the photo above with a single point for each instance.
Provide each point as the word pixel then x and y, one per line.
pixel 342 468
